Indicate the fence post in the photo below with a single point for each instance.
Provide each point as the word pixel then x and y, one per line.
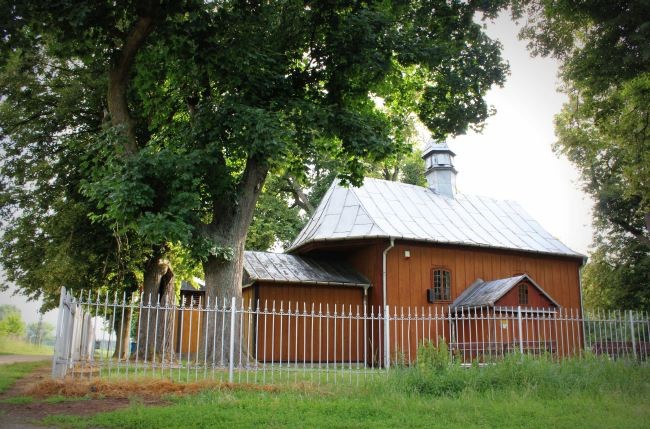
pixel 59 368
pixel 386 337
pixel 521 336
pixel 632 333
pixel 231 360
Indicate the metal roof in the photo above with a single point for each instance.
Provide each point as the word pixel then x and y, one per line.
pixel 283 268
pixel 433 146
pixel 382 209
pixel 482 293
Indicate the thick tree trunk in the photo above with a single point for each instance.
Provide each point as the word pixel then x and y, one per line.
pixel 155 327
pixel 223 276
pixel 122 328
pixel 227 277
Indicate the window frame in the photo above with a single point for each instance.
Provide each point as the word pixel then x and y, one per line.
pixel 522 293
pixel 444 289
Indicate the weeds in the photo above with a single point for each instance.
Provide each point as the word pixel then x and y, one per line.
pixel 435 375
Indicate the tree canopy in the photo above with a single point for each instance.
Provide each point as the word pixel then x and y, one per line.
pixel 142 128
pixel 604 48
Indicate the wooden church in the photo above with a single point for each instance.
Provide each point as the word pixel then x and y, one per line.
pixel 395 245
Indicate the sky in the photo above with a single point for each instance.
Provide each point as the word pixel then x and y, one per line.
pixel 511 159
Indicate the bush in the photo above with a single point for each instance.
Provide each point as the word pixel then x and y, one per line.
pixel 432 359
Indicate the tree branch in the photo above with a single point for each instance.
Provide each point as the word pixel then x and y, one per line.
pixel 300 199
pixel 638 234
pixel 119 76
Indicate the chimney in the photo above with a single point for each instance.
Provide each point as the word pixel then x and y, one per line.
pixel 440 171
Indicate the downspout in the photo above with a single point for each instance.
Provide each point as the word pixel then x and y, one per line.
pixel 383 278
pixel 385 304
pixel 582 312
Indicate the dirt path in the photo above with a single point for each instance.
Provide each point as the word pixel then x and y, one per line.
pixel 7 359
pixel 26 415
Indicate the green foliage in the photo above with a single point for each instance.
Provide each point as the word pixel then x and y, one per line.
pixel 11 322
pixel 543 377
pixel 50 111
pixel 413 169
pixel 277 219
pixel 433 359
pixel 12 325
pixel 130 127
pixel 603 130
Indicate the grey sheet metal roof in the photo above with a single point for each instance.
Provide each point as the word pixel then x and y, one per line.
pixel 482 293
pixel 284 268
pixel 380 208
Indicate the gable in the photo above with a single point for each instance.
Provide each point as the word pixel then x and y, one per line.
pixel 483 293
pixel 383 209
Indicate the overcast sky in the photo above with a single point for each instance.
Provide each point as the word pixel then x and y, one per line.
pixel 512 159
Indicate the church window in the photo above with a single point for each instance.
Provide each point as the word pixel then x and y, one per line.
pixel 441 285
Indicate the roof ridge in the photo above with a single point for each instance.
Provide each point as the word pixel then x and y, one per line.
pixel 362 206
pixel 462 194
pixel 382 208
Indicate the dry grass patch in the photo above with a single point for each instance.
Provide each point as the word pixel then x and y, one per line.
pixel 148 388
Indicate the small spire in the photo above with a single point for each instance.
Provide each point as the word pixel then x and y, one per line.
pixel 440 172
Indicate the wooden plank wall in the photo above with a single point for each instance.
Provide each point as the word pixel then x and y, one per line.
pixel 191 321
pixel 310 339
pixel 409 278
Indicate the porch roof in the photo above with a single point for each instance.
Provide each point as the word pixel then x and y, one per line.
pixel 284 268
pixel 483 293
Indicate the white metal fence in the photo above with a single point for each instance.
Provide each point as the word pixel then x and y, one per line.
pixel 266 342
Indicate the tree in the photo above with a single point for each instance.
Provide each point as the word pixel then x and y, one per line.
pixel 7 309
pixel 66 71
pixel 277 219
pixel 604 130
pixel 40 333
pixel 12 325
pixel 203 100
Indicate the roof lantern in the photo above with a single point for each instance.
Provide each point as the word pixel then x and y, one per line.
pixel 440 172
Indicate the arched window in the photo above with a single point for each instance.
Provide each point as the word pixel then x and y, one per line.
pixel 441 284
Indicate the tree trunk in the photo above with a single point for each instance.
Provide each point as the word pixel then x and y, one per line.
pixel 223 276
pixel 227 276
pixel 155 327
pixel 122 327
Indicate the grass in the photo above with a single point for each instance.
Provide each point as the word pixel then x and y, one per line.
pixel 14 346
pixel 18 400
pixel 516 393
pixel 11 372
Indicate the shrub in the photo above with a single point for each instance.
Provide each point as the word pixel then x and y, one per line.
pixel 432 358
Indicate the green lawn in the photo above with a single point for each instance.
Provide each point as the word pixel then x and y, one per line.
pixel 574 394
pixel 15 346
